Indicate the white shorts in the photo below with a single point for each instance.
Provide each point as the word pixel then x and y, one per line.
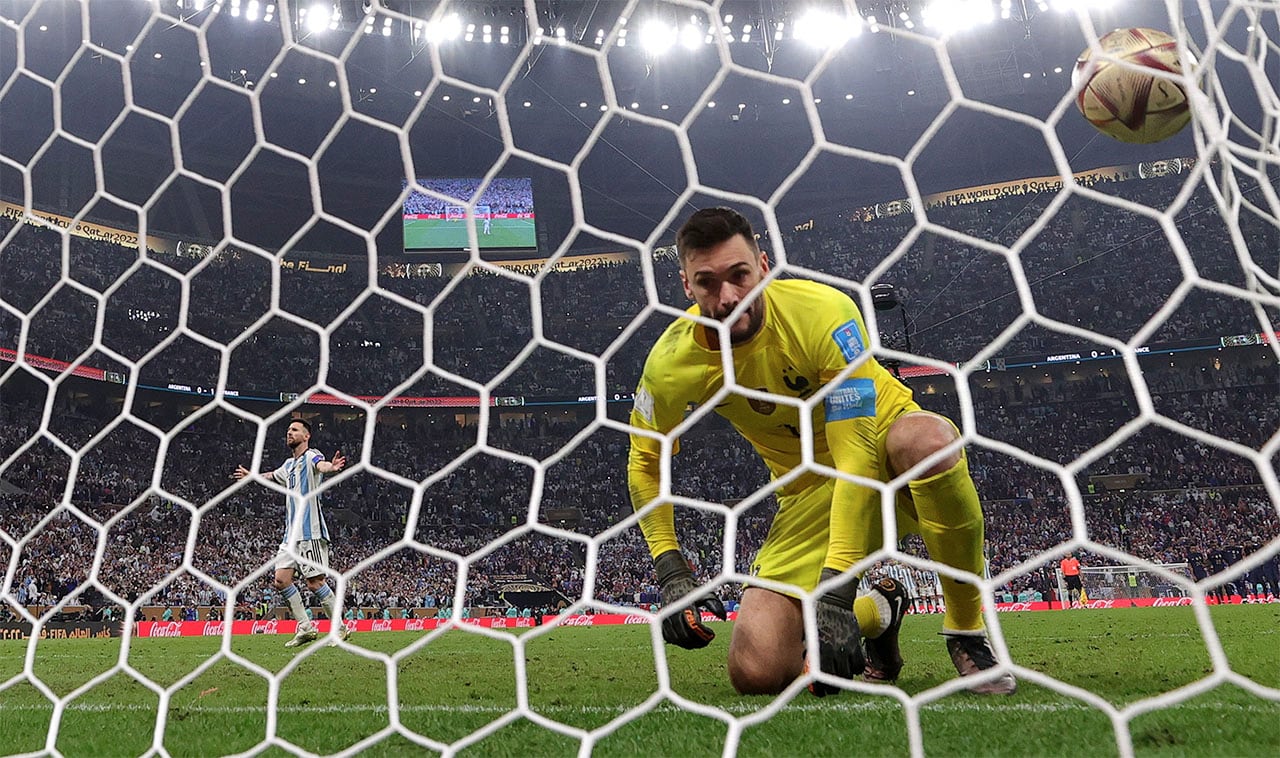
pixel 314 552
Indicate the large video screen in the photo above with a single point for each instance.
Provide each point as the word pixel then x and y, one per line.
pixel 504 215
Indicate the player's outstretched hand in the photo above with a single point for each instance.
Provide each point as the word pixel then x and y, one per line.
pixel 339 461
pixel 839 638
pixel 240 472
pixel 684 629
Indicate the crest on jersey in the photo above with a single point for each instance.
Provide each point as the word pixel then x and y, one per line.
pixel 848 338
pixel 763 407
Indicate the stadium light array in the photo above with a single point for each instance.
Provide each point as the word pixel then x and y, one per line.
pixel 446 29
pixel 1066 6
pixel 317 17
pixel 690 36
pixel 656 37
pixel 957 15
pixel 823 29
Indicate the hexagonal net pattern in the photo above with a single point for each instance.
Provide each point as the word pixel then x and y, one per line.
pixel 205 197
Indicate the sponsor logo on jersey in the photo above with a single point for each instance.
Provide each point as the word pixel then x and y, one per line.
pixel 796 382
pixel 848 338
pixel 854 398
pixel 763 407
pixel 643 404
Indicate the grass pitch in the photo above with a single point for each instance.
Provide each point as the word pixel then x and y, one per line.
pixel 432 233
pixel 462 682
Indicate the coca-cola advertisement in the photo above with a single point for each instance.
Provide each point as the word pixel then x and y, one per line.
pixel 272 626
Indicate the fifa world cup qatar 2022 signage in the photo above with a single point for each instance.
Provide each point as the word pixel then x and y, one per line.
pixel 59 630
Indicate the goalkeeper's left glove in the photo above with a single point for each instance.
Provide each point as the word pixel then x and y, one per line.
pixel 839 637
pixel 676 580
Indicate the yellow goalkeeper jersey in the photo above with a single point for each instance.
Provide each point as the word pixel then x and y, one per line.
pixel 810 334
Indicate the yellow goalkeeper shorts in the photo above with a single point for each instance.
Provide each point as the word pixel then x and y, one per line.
pixel 796 546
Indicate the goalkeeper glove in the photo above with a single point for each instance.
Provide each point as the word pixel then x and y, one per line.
pixel 676 580
pixel 839 638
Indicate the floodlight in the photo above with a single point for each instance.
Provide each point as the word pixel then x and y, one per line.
pixel 1064 6
pixel 957 15
pixel 447 28
pixel 823 29
pixel 656 37
pixel 690 37
pixel 318 17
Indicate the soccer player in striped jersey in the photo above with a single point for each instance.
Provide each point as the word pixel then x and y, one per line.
pixel 304 528
pixel 802 339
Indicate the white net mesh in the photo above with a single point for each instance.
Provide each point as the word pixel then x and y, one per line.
pixel 202 239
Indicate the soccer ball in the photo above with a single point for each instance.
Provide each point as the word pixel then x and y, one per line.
pixel 1130 104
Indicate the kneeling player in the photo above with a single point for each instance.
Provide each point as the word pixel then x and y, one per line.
pixel 796 337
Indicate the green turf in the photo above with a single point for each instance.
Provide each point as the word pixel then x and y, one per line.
pixel 460 684
pixel 431 233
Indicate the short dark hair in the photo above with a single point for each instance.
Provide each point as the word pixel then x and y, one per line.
pixel 302 421
pixel 711 226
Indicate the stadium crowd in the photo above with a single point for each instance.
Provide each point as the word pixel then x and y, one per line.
pixel 1195 503
pixel 958 299
pixel 503 195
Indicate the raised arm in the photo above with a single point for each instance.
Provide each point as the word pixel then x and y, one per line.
pixel 338 463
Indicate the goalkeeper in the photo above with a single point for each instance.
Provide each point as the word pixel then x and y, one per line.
pixel 793 340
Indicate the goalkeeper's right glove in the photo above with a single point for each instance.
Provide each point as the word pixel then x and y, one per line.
pixel 839 637
pixel 676 580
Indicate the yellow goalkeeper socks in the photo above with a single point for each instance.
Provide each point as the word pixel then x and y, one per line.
pixel 951 525
pixel 871 617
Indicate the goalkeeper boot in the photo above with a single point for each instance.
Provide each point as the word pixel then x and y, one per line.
pixel 972 654
pixel 884 658
pixel 343 632
pixel 305 634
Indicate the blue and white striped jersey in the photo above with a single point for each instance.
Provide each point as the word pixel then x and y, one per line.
pixel 302 504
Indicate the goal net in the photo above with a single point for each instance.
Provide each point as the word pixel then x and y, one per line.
pixel 1120 586
pixel 203 206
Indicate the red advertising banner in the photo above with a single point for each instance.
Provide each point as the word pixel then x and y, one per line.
pixel 1137 602
pixel 321 398
pixel 438 216
pixel 272 626
pixel 49 364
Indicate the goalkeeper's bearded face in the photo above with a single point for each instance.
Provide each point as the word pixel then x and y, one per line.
pixel 720 278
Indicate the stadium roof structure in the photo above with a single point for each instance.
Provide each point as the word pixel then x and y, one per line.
pixel 878 92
